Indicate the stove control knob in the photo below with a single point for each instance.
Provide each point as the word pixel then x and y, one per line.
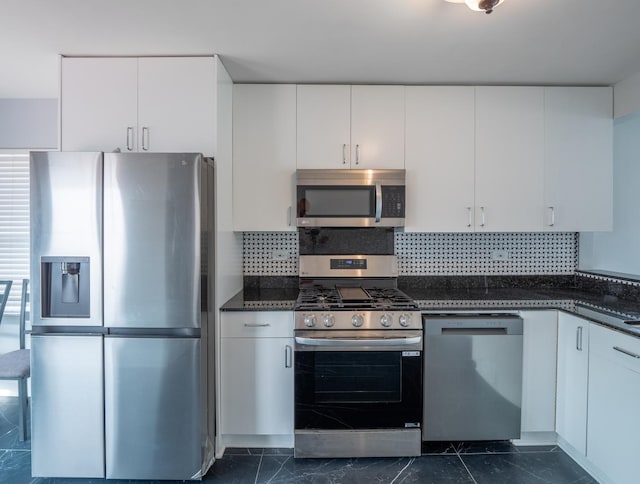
pixel 386 320
pixel 405 320
pixel 357 320
pixel 328 320
pixel 309 320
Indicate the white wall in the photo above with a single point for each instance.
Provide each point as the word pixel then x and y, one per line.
pixel 29 123
pixel 626 96
pixel 618 251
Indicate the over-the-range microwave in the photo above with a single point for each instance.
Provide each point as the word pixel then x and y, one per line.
pixel 350 198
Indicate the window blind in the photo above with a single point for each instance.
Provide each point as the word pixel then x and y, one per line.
pixel 14 223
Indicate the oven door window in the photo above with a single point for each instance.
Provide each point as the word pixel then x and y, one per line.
pixel 358 389
pixel 360 377
pixel 331 201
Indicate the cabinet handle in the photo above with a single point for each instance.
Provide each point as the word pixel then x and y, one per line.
pixel 628 353
pixel 552 213
pixel 129 138
pixel 256 325
pixel 482 217
pixel 289 217
pixel 344 154
pixel 469 217
pixel 288 356
pixel 357 154
pixel 579 338
pixel 145 138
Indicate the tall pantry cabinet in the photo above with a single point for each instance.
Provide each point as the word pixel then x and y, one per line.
pixel 138 104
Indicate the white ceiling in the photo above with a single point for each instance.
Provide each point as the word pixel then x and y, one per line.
pixel 336 41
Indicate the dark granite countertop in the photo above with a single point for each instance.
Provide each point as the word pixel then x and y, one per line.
pixel 450 294
pixel 262 299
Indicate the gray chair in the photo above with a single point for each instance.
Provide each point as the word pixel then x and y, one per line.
pixel 16 365
pixel 4 295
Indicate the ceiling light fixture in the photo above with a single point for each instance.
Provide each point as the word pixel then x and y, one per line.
pixel 485 6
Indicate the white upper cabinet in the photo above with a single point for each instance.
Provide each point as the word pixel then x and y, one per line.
pixel 509 158
pixel 98 108
pixel 324 126
pixel 377 127
pixel 357 127
pixel 439 158
pixel 264 157
pixel 153 104
pixel 176 104
pixel 578 158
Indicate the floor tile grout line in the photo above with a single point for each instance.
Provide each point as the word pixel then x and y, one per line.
pixel 259 466
pixel 465 466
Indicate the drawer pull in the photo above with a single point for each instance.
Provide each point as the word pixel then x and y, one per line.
pixel 628 353
pixel 579 338
pixel 256 325
pixel 288 356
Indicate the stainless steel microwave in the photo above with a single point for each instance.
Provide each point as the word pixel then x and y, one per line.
pixel 350 198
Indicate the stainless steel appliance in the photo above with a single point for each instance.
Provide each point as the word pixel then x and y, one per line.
pixel 350 198
pixel 122 315
pixel 358 360
pixel 472 377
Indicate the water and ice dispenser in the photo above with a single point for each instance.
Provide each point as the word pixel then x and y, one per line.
pixel 65 287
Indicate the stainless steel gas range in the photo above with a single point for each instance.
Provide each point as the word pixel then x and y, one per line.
pixel 358 360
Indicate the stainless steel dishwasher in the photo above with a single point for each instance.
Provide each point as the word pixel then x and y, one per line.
pixel 472 376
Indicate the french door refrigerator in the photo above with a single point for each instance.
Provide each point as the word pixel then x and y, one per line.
pixel 122 342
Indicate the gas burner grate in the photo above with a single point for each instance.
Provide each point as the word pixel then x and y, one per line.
pixel 322 299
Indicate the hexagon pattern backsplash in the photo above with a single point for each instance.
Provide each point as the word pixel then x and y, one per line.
pixel 423 254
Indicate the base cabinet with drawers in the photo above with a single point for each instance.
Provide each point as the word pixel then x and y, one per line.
pixel 256 385
pixel 613 426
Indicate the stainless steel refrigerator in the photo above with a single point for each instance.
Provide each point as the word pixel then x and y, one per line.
pixel 122 311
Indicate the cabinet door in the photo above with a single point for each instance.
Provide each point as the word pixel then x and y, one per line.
pixel 176 104
pixel 509 158
pixel 377 127
pixel 573 361
pixel 439 159
pixel 323 126
pixel 539 370
pixel 257 386
pixel 614 393
pixel 264 157
pixel 578 158
pixel 98 102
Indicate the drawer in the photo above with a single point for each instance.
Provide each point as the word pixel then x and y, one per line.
pixel 615 346
pixel 253 324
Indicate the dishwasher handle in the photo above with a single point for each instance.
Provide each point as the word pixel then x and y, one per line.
pixel 473 325
pixel 474 331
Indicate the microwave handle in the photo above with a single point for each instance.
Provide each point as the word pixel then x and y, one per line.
pixel 378 202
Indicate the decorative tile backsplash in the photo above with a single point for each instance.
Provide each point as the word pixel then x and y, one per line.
pixel 276 253
pixel 270 253
pixel 486 253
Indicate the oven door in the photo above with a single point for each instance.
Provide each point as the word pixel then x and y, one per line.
pixel 349 380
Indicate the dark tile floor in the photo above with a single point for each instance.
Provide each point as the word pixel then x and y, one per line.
pixel 457 462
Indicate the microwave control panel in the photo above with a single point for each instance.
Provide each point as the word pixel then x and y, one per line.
pixel 393 201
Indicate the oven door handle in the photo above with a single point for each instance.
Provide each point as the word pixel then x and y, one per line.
pixel 378 202
pixel 358 342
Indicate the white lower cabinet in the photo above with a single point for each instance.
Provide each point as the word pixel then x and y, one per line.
pixel 539 376
pixel 256 387
pixel 613 443
pixel 573 372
